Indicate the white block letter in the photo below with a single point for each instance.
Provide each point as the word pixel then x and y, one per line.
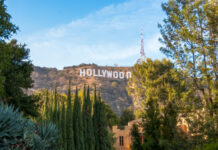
pixel 121 74
pixel 82 72
pixel 128 75
pixel 89 72
pixel 115 74
pixel 109 74
pixel 104 73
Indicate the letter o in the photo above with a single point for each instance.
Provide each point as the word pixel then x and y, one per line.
pixel 89 72
pixel 121 74
pixel 115 74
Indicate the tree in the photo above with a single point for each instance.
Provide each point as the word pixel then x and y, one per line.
pixel 101 123
pixel 136 138
pixel 151 126
pixel 89 140
pixel 15 70
pixel 46 107
pixel 95 119
pixel 69 121
pixel 78 123
pixel 55 106
pixel 63 126
pixel 127 115
pixel 112 117
pixel 6 27
pixel 162 85
pixel 189 35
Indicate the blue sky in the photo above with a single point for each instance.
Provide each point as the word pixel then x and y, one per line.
pixel 71 32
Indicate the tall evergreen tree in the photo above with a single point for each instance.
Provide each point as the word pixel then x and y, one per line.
pixel 55 106
pixel 87 122
pixel 69 121
pixel 95 119
pixel 102 133
pixel 46 107
pixel 78 123
pixel 63 126
pixel 136 138
pixel 151 126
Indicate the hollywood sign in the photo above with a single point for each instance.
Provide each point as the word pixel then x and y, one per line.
pixel 105 73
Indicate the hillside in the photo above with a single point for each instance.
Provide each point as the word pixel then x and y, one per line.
pixel 111 80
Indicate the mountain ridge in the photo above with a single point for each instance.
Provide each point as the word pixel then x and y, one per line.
pixel 113 87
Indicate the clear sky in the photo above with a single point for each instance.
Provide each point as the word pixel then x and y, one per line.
pixel 70 32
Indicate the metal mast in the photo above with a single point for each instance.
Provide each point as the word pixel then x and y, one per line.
pixel 142 52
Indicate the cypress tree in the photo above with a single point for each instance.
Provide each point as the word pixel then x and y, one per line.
pixel 63 126
pixel 104 142
pixel 69 126
pixel 58 121
pixel 136 138
pixel 95 120
pixel 46 109
pixel 102 139
pixel 87 121
pixel 77 123
pixel 55 107
pixel 152 126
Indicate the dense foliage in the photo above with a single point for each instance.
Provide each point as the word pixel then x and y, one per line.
pixel 180 99
pixel 189 35
pixel 126 116
pixel 82 122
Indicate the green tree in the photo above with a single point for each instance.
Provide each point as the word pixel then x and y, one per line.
pixel 151 127
pixel 15 70
pixel 162 85
pixel 102 126
pixel 189 35
pixel 89 139
pixel 63 126
pixel 7 28
pixel 126 116
pixel 46 107
pixel 95 120
pixel 78 123
pixel 55 106
pixel 112 117
pixel 136 138
pixel 69 121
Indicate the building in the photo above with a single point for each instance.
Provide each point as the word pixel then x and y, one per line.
pixel 123 135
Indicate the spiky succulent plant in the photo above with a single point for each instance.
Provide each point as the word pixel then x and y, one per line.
pixel 19 133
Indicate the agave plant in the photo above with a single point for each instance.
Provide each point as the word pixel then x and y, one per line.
pixel 46 137
pixel 19 133
pixel 11 126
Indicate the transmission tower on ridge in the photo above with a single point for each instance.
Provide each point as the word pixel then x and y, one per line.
pixel 142 52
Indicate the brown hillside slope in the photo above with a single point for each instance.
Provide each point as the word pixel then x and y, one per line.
pixel 113 91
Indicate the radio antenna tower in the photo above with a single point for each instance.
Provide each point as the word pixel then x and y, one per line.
pixel 142 52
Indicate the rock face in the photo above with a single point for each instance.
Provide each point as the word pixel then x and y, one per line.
pixel 113 90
